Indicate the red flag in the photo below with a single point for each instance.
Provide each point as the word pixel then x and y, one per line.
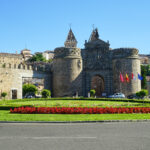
pixel 133 77
pixel 127 78
pixel 121 77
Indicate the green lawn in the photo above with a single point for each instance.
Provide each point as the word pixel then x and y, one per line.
pixel 70 103
pixel 5 115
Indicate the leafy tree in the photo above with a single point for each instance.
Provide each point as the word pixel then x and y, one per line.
pixel 46 93
pixel 143 73
pixel 37 57
pixel 3 94
pixel 29 88
pixel 92 92
pixel 148 70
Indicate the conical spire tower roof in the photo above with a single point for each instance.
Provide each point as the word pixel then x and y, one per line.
pixel 71 40
pixel 94 35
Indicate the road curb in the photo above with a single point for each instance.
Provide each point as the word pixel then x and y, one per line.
pixel 100 121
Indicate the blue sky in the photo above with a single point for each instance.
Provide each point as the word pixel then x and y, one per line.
pixel 41 25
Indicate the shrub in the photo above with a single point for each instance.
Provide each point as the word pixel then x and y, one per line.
pixel 3 94
pixel 92 92
pixel 142 93
pixel 46 93
pixel 29 88
pixel 4 65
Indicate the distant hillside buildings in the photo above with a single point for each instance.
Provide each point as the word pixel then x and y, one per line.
pixel 145 59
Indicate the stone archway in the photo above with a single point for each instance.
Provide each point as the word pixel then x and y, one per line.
pixel 97 83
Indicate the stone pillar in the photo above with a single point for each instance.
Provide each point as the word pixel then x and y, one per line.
pixel 67 69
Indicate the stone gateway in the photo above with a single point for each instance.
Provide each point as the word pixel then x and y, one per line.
pixel 96 66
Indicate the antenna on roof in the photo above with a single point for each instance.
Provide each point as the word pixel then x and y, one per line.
pixel 93 26
pixel 25 45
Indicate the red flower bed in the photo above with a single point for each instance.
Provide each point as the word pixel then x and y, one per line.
pixel 79 110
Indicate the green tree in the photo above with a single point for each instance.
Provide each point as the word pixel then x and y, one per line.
pixel 37 57
pixel 46 93
pixel 143 73
pixel 148 70
pixel 29 88
pixel 3 94
pixel 92 92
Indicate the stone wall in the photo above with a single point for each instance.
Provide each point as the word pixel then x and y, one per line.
pixel 11 79
pixel 11 58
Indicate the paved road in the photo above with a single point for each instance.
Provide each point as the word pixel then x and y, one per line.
pixel 75 136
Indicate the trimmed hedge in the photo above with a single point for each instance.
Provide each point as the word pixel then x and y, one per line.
pixel 87 99
pixel 92 92
pixel 46 93
pixel 142 93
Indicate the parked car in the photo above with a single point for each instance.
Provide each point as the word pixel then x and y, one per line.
pixel 117 95
pixel 32 95
pixel 133 96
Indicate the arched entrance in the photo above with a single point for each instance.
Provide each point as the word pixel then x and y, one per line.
pixel 97 83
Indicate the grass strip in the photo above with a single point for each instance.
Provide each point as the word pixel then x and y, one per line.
pixel 80 99
pixel 5 115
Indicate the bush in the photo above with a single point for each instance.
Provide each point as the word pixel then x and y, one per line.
pixel 92 92
pixel 29 88
pixel 46 93
pixel 3 94
pixel 142 93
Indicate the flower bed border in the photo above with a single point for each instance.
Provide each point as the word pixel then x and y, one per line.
pixel 79 110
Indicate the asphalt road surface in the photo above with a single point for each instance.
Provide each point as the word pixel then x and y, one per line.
pixel 75 136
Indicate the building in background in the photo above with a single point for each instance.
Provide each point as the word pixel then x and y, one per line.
pixel 48 54
pixel 144 59
pixel 26 53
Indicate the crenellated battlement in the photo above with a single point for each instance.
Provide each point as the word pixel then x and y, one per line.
pixel 63 52
pixel 10 55
pixel 124 52
pixel 43 67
